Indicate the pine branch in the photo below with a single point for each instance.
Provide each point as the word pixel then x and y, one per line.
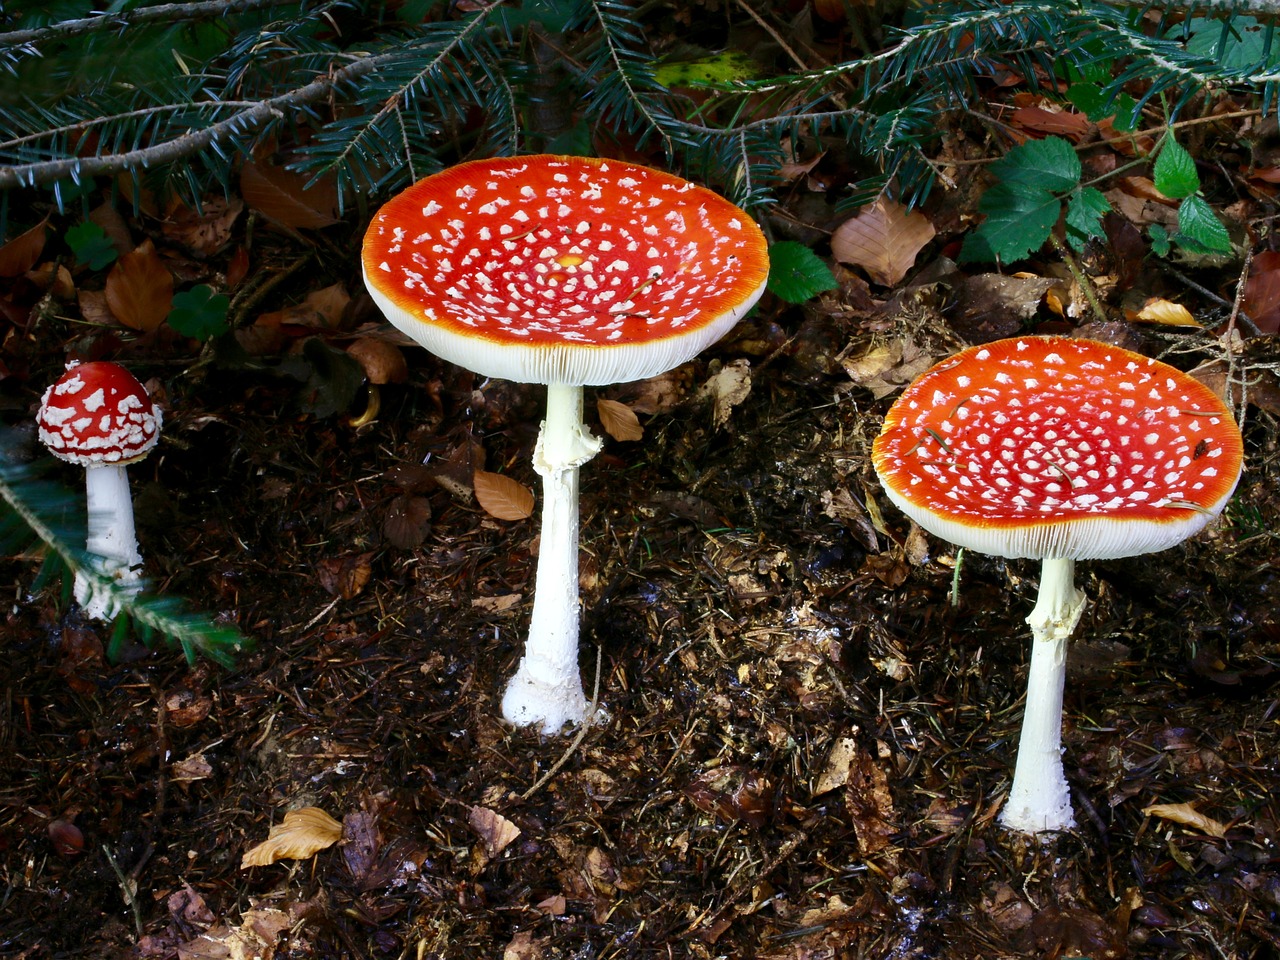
pixel 33 514
pixel 120 20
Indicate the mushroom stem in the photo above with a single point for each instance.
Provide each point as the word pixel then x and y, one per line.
pixel 547 687
pixel 112 543
pixel 1040 799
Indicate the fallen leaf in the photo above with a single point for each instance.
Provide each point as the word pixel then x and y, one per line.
pixel 1164 312
pixel 870 804
pixel 493 606
pixel 888 367
pixel 195 767
pixel 1188 816
pixel 282 196
pixel 836 772
pixel 139 289
pixel 494 830
pixel 619 420
pixel 345 576
pixel 502 497
pixel 407 522
pixel 523 947
pixel 1072 126
pixel 726 389
pixel 321 310
pixel 361 842
pixel 883 239
pixel 383 362
pixel 302 833
pixel 54 278
pixel 204 232
pixel 23 252
pixel 1262 291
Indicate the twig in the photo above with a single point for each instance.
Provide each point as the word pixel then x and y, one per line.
pixel 128 889
pixel 577 741
pixel 1243 320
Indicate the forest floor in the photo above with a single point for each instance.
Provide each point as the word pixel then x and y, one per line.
pixel 807 743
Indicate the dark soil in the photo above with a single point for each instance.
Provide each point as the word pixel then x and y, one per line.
pixel 806 748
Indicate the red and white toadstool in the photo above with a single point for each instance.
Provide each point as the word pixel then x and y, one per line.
pixel 1060 450
pixel 566 271
pixel 98 416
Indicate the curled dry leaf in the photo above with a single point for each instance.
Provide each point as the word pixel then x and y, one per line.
pixel 23 252
pixel 839 760
pixel 345 576
pixel 139 289
pixel 321 310
pixel 302 834
pixel 495 831
pixel 883 239
pixel 1161 311
pixel 204 232
pixel 727 389
pixel 501 497
pixel 619 420
pixel 1188 816
pixel 383 362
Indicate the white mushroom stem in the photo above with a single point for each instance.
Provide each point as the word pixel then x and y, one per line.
pixel 547 688
pixel 112 542
pixel 1040 799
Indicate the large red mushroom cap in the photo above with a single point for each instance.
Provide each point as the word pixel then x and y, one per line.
pixel 1044 447
pixel 98 414
pixel 566 270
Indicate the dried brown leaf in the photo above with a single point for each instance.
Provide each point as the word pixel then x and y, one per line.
pixel 204 232
pixel 1188 816
pixel 502 497
pixel 383 362
pixel 195 767
pixel 836 772
pixel 139 289
pixel 1164 312
pixel 493 829
pixel 883 239
pixel 282 196
pixel 1073 126
pixel 302 833
pixel 408 521
pixel 726 389
pixel 23 252
pixel 321 310
pixel 345 576
pixel 619 420
pixel 1262 291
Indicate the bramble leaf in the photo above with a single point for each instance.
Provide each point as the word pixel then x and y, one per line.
pixel 1085 211
pixel 1175 172
pixel 1049 164
pixel 1199 229
pixel 1019 219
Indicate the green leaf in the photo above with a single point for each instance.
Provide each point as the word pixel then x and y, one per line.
pixel 1019 219
pixel 1085 211
pixel 199 312
pixel 90 245
pixel 1160 244
pixel 1199 224
pixel 1242 45
pixel 796 273
pixel 1097 104
pixel 1048 164
pixel 1175 171
pixel 716 71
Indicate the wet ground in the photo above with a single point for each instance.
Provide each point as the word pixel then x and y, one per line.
pixel 807 742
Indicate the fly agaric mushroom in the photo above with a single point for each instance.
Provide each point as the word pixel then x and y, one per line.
pixel 565 271
pixel 98 416
pixel 1058 450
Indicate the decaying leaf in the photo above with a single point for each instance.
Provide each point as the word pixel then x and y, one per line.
pixel 1161 311
pixel 883 239
pixel 282 196
pixel 254 939
pixel 206 231
pixel 194 767
pixel 345 576
pixel 870 804
pixel 1188 816
pixel 619 420
pixel 726 389
pixel 321 310
pixel 496 606
pixel 1262 291
pixel 836 772
pixel 139 289
pixel 407 521
pixel 301 834
pixel 494 830
pixel 888 367
pixel 502 497
pixel 23 252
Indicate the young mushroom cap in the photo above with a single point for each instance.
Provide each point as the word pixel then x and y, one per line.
pixel 1056 447
pixel 98 414
pixel 568 270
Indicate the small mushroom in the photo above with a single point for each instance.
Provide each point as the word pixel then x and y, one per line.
pixel 98 416
pixel 565 271
pixel 1059 450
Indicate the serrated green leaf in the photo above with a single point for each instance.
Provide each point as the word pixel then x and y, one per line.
pixel 1049 164
pixel 1175 171
pixel 1019 219
pixel 1089 99
pixel 1197 222
pixel 1085 211
pixel 199 312
pixel 796 273
pixel 91 245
